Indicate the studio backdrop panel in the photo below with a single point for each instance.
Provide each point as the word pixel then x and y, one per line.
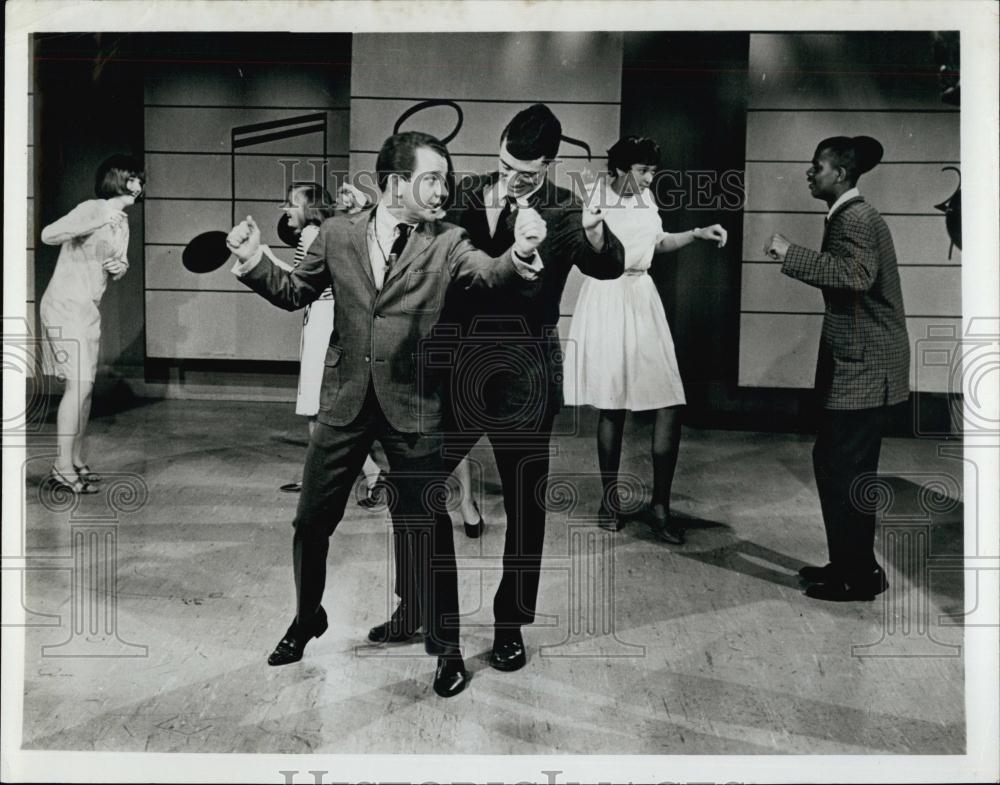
pixel 805 87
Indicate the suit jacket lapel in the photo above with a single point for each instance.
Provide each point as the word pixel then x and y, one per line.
pixel 359 239
pixel 829 221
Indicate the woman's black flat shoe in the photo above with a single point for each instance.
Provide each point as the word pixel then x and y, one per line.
pixel 474 530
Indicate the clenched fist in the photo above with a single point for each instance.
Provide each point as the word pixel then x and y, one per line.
pixel 777 247
pixel 529 231
pixel 714 232
pixel 244 239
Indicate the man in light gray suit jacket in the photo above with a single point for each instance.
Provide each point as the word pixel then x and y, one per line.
pixel 389 267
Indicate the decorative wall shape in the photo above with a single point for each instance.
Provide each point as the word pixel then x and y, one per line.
pixel 490 77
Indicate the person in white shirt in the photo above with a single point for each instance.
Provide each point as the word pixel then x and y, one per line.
pixel 94 239
pixel 620 356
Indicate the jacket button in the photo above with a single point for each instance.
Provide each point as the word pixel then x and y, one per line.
pixel 368 358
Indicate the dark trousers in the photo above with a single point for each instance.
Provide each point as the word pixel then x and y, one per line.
pixel 847 446
pixel 422 536
pixel 522 458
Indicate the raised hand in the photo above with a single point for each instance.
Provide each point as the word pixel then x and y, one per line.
pixel 592 215
pixel 777 247
pixel 116 268
pixel 529 231
pixel 116 217
pixel 714 232
pixel 244 239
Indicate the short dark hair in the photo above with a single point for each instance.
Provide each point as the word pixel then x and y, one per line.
pixel 399 155
pixel 319 204
pixel 114 173
pixel 856 155
pixel 631 150
pixel 533 133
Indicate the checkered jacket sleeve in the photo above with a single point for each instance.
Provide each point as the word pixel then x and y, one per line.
pixel 864 355
pixel 849 259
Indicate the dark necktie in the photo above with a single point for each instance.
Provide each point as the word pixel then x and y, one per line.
pixel 503 235
pixel 397 246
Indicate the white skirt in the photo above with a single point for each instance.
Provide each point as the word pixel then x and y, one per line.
pixel 620 353
pixel 317 325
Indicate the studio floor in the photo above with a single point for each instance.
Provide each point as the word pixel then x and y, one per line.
pixel 152 606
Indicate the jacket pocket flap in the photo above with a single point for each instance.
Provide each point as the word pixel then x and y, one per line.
pixel 333 355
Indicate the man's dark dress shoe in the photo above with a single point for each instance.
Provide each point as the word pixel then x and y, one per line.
pixel 291 647
pixel 667 529
pixel 854 590
pixel 451 677
pixel 474 530
pixel 508 651
pixel 401 627
pixel 818 574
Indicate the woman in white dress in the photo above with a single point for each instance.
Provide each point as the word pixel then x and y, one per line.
pixel 94 238
pixel 621 355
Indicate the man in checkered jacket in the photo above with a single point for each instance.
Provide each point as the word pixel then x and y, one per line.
pixel 864 360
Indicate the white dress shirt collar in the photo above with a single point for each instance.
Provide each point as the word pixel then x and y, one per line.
pixel 849 194
pixel 386 223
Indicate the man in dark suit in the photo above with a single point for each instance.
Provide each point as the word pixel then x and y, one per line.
pixel 864 360
pixel 505 380
pixel 390 268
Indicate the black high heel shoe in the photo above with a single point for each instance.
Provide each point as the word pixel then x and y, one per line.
pixel 291 647
pixel 79 486
pixel 375 495
pixel 474 530
pixel 666 528
pixel 609 515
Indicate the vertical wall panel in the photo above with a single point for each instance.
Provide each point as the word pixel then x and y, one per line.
pixel 207 167
pixel 803 88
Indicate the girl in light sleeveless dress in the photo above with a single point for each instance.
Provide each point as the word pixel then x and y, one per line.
pixel 94 246
pixel 620 356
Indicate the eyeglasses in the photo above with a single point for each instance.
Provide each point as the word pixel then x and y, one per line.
pixel 523 175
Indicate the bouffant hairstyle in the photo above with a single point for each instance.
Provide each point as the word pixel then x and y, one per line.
pixel 856 155
pixel 114 173
pixel 631 150
pixel 533 133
